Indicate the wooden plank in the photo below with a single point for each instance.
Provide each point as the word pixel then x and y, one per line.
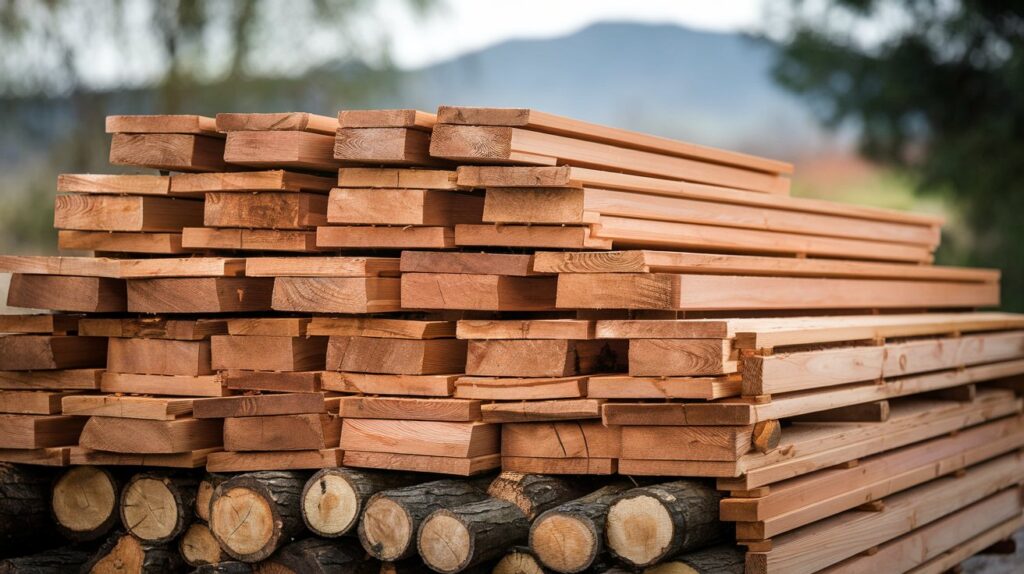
pixel 396 356
pixel 264 210
pixel 363 237
pixel 686 443
pixel 108 183
pixel 285 460
pixel 680 357
pixel 161 124
pixel 286 121
pixel 56 265
pixel 268 326
pixel 537 358
pixel 578 177
pixel 388 146
pixel 529 465
pixel 32 432
pixel 268 353
pixel 117 242
pixel 526 329
pixel 297 382
pixel 568 439
pixel 244 181
pixel 713 292
pixel 265 405
pixel 53 456
pixel 535 236
pixel 381 328
pixel 630 232
pixel 977 545
pixel 786 372
pixel 370 206
pixel 140 436
pixel 200 295
pixel 125 212
pixel 431 438
pixel 281 149
pixel 41 324
pixel 537 411
pixel 154 408
pixel 723 264
pixel 472 263
pixel 337 294
pixel 416 409
pixel 67 293
pixel 31 402
pixel 170 152
pixel 629 387
pixel 458 466
pixel 45 352
pixel 499 145
pixel 282 432
pixel 877 411
pixel 396 118
pixel 191 459
pixel 189 267
pixel 249 239
pixel 834 539
pixel 666 328
pixel 376 384
pixel 159 357
pixel 560 125
pixel 511 389
pixel 396 178
pixel 201 386
pixel 321 266
pixel 67 379
pixel 555 205
pixel 153 328
pixel 477 292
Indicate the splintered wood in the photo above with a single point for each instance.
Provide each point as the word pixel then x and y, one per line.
pixel 298 321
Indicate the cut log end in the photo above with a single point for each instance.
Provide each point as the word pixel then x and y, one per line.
pixel 640 529
pixel 564 543
pixel 149 509
pixel 244 522
pixel 125 554
pixel 198 546
pixel 767 435
pixel 386 529
pixel 518 561
pixel 445 542
pixel 85 502
pixel 330 506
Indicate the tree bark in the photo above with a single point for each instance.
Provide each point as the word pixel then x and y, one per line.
pixel 85 502
pixel 520 560
pixel 320 556
pixel 254 514
pixel 389 524
pixel 647 525
pixel 204 494
pixel 229 567
pixel 532 493
pixel 451 540
pixel 334 498
pixel 125 554
pixel 199 547
pixel 156 507
pixel 569 538
pixel 716 560
pixel 25 522
pixel 56 561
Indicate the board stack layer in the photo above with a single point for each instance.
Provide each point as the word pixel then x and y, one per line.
pixel 321 337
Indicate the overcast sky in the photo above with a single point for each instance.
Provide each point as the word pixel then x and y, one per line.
pixel 461 26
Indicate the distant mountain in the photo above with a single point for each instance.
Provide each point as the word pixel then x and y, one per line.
pixel 706 87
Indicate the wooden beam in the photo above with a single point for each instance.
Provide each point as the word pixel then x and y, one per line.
pixel 297 382
pixel 268 326
pixel 53 456
pixel 264 210
pixel 282 432
pixel 286 121
pixel 161 124
pixel 629 387
pixel 159 357
pixel 118 242
pixel 191 459
pixel 877 411
pixel 369 206
pixel 200 295
pixel 153 328
pixel 249 239
pixel 406 408
pixel 153 408
pixel 169 152
pixel 535 236
pixel 140 436
pixel 680 357
pixel 265 405
pixel 431 438
pixel 459 466
pixel 268 353
pixel 477 292
pixel 188 386
pixel 381 328
pixel 388 146
pixel 191 267
pixel 114 184
pixel 558 439
pixel 321 266
pixel 377 384
pixel 67 293
pixel 32 432
pixel 33 402
pixel 46 352
pixel 712 292
pixel 125 212
pixel 69 379
pixel 366 237
pixel 533 465
pixel 245 181
pixel 396 178
pixel 526 329
pixel 397 118
pixel 285 460
pixel 39 324
pixel 537 357
pixel 519 265
pixel 337 294
pixel 686 442
pixel 515 389
pixel 396 356
pixel 281 149
pixel 537 411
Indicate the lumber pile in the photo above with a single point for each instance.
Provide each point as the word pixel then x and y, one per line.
pixel 493 340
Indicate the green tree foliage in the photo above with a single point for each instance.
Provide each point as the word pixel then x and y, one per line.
pixel 934 87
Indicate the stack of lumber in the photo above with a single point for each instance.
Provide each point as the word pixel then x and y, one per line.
pixel 675 365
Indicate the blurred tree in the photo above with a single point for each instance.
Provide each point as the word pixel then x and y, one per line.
pixel 934 87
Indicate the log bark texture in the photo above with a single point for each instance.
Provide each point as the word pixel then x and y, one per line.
pixel 452 540
pixel 570 537
pixel 334 498
pixel 56 561
pixel 715 560
pixel 319 556
pixel 124 554
pixel 25 523
pixel 532 493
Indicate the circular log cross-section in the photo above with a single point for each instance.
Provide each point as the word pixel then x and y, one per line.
pixel 125 554
pixel 253 514
pixel 84 502
pixel 569 538
pixel 334 498
pixel 518 561
pixel 157 508
pixel 199 547
pixel 452 540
